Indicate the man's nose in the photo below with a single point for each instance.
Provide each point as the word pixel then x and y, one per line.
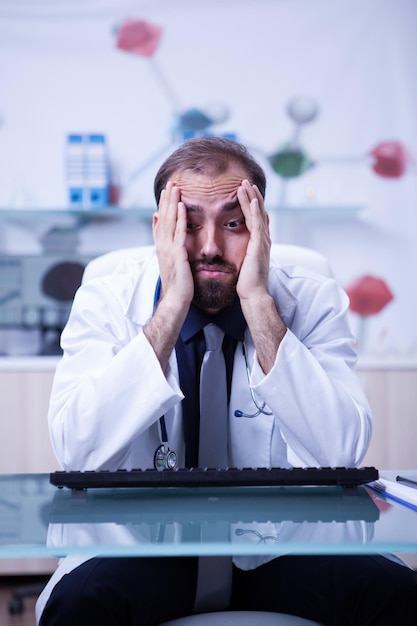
pixel 211 242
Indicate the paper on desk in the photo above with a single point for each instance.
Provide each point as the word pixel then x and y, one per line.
pixel 396 491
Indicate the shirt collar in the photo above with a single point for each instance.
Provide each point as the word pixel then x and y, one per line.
pixel 230 320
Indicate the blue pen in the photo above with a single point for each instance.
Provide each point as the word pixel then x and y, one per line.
pixel 380 488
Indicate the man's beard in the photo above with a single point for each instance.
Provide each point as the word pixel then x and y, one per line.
pixel 214 294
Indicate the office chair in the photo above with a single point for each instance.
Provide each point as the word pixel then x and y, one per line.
pixel 28 590
pixel 241 618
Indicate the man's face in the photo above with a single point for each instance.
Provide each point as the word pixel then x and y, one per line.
pixel 217 236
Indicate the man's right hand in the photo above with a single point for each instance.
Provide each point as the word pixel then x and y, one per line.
pixel 169 232
pixel 177 284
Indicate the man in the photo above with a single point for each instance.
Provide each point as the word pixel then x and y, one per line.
pixel 132 356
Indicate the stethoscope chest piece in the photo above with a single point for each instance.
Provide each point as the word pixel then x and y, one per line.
pixel 164 458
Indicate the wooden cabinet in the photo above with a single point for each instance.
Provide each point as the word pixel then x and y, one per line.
pixel 25 386
pixel 392 394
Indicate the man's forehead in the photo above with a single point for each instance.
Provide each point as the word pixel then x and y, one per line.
pixel 225 184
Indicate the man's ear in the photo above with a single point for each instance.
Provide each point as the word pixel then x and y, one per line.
pixel 267 219
pixel 155 219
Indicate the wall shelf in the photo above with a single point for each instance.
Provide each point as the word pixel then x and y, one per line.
pixel 295 224
pixel 318 212
pixel 314 211
pixel 83 214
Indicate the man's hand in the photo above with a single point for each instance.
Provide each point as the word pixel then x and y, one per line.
pixel 169 231
pixel 253 277
pixel 258 307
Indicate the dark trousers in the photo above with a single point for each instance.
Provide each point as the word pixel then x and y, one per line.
pixel 333 590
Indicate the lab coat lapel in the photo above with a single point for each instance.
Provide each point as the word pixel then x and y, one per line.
pixel 141 304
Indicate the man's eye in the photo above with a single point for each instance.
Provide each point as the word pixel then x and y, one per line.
pixel 236 223
pixel 191 226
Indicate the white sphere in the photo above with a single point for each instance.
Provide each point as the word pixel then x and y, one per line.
pixel 302 109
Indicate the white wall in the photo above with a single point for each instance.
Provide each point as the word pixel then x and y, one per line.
pixel 60 72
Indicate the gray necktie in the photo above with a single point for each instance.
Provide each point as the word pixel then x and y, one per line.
pixel 213 402
pixel 214 581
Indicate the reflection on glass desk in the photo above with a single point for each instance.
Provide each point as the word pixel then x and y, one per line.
pixel 39 520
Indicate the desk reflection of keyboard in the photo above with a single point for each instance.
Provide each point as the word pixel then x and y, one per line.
pixel 231 477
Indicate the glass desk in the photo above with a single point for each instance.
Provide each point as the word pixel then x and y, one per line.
pixel 39 520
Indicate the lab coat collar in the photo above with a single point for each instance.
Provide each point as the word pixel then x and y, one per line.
pixel 280 290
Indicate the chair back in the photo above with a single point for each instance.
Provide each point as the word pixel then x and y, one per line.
pixel 283 254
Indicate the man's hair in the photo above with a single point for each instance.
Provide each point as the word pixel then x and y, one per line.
pixel 212 156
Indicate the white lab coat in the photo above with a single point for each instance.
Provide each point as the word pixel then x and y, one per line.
pixel 109 390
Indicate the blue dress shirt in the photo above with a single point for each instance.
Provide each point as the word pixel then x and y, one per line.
pixel 190 348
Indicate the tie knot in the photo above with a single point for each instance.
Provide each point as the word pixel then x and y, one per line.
pixel 213 336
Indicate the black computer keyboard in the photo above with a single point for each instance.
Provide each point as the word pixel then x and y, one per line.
pixel 231 477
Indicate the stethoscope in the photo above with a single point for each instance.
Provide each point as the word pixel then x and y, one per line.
pixel 259 409
pixel 261 538
pixel 164 457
